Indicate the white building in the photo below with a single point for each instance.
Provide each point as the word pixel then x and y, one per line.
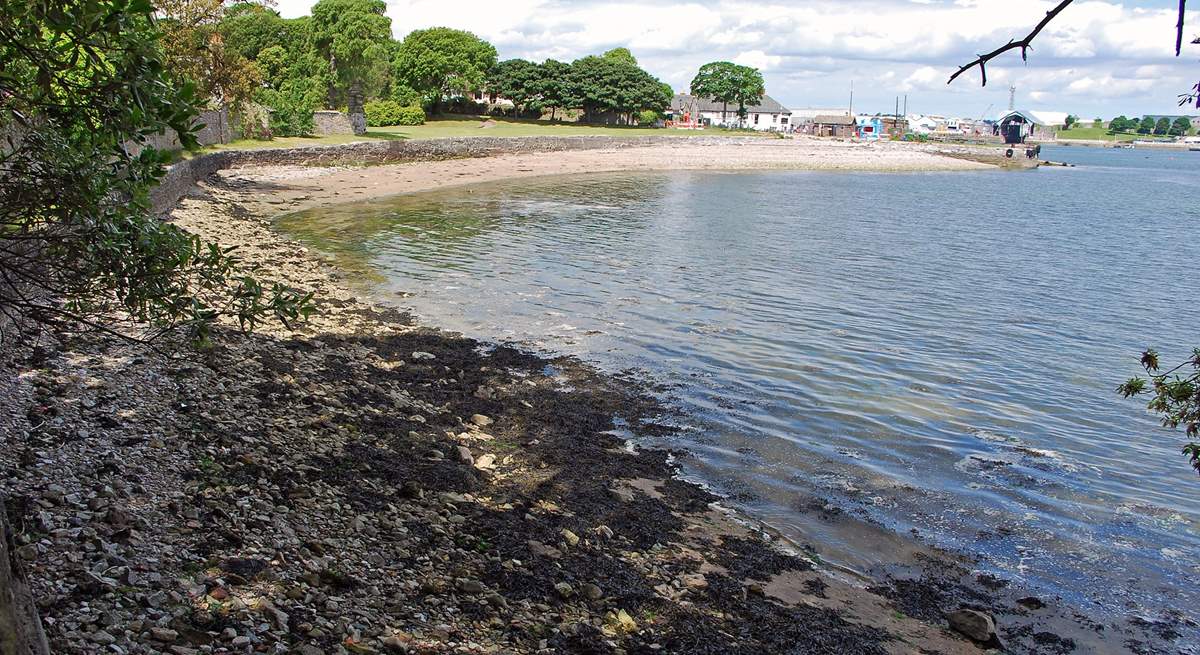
pixel 768 115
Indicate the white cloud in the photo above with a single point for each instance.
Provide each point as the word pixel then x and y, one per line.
pixel 809 52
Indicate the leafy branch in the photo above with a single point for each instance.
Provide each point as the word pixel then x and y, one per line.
pixel 1176 396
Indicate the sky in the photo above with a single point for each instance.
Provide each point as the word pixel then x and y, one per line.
pixel 1098 59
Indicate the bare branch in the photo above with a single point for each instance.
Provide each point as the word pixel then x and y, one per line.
pixel 1179 27
pixel 1024 45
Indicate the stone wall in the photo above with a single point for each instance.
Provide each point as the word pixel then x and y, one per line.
pixel 331 122
pixel 216 129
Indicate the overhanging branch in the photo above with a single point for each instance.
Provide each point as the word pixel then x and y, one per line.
pixel 1024 45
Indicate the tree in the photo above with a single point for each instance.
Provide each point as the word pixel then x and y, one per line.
pixel 729 83
pixel 1176 397
pixel 599 85
pixel 1097 123
pixel 622 55
pixel 553 86
pixel 440 62
pixel 1146 126
pixel 1122 124
pixel 516 79
pixel 195 49
pixel 1071 121
pixel 352 35
pixel 1181 126
pixel 249 28
pixel 82 86
pixel 1162 126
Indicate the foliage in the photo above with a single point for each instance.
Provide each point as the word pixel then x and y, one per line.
pixel 1122 124
pixel 1180 127
pixel 1146 126
pixel 553 87
pixel 600 85
pixel 1162 126
pixel 411 115
pixel 441 62
pixel 382 113
pixel 516 79
pixel 82 86
pixel 1071 121
pixel 292 107
pixel 1176 397
pixel 649 117
pixel 1098 123
pixel 254 121
pixel 622 55
pixel 405 96
pixel 729 83
pixel 354 37
pixel 249 28
pixel 195 49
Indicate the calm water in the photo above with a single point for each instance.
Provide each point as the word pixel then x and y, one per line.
pixel 932 352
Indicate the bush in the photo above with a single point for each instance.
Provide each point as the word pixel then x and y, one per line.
pixel 406 96
pixel 292 107
pixel 648 117
pixel 382 113
pixel 413 115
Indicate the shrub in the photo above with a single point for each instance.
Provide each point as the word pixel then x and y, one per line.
pixel 382 112
pixel 292 107
pixel 648 117
pixel 412 115
pixel 406 96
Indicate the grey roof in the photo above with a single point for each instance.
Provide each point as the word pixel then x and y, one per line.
pixel 686 102
pixel 834 119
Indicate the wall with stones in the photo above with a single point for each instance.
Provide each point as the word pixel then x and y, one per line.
pixel 331 122
pixel 216 129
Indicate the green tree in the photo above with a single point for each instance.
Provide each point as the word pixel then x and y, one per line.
pixel 1162 126
pixel 195 49
pixel 1120 124
pixel 1097 123
pixel 1146 126
pixel 729 83
pixel 1181 126
pixel 352 35
pixel 249 28
pixel 605 86
pixel 440 62
pixel 516 79
pixel 553 86
pixel 1071 121
pixel 82 86
pixel 1175 397
pixel 622 55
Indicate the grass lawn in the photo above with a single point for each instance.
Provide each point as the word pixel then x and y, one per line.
pixel 464 126
pixel 1098 134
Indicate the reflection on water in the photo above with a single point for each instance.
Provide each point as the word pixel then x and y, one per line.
pixel 936 353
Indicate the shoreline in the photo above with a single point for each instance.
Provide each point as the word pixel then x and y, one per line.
pixel 368 485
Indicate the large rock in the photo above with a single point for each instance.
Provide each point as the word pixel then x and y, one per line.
pixel 974 624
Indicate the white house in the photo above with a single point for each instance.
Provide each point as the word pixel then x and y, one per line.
pixel 767 115
pixel 918 124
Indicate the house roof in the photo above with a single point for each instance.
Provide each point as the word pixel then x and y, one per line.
pixel 687 102
pixel 834 119
pixel 1037 117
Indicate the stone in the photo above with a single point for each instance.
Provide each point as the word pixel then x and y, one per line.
pixel 103 638
pixel 419 355
pixel 973 624
pixel 396 643
pixel 571 538
pixel 165 635
pixel 465 456
pixel 471 587
pixel 542 550
pixel 481 420
pixel 565 590
pixel 485 462
pixel 591 591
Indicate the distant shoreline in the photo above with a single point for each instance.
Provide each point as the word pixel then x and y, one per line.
pixel 304 187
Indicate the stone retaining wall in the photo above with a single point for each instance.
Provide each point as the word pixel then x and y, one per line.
pixel 183 176
pixel 331 122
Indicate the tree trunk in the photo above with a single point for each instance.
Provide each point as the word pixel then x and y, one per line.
pixel 724 109
pixel 354 107
pixel 20 628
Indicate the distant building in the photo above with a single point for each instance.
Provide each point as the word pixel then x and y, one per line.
pixel 837 125
pixel 870 128
pixel 767 115
pixel 1019 124
pixel 918 124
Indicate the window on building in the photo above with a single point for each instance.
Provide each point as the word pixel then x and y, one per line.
pixel 783 120
pixel 756 118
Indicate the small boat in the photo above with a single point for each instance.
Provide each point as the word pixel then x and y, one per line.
pixel 1194 149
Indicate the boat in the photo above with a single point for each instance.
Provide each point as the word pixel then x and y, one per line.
pixel 1194 149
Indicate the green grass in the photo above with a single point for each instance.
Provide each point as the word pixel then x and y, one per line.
pixel 1099 134
pixel 466 126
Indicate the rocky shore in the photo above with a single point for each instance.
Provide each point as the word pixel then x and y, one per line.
pixel 367 485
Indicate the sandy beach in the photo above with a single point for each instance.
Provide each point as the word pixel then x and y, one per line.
pixel 303 187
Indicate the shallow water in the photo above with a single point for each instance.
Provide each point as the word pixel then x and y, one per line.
pixel 937 353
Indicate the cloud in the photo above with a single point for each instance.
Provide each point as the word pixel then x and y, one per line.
pixel 1117 52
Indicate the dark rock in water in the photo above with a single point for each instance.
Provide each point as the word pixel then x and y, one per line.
pixel 974 624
